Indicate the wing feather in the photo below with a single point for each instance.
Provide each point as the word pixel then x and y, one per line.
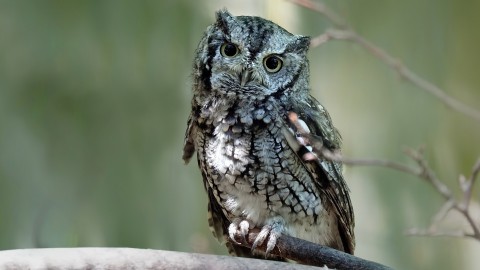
pixel 188 145
pixel 309 131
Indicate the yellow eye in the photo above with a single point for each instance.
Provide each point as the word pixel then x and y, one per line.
pixel 272 63
pixel 229 49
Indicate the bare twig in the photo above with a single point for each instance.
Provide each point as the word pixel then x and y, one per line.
pixel 447 194
pixel 428 174
pixel 435 233
pixel 336 156
pixel 424 172
pixel 467 186
pixel 323 9
pixel 305 252
pixel 342 31
pixel 442 212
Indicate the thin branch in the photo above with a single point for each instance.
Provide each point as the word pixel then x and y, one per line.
pixel 471 181
pixel 475 171
pixel 473 224
pixel 308 253
pixel 442 213
pixel 467 186
pixel 447 194
pixel 370 162
pixel 323 9
pixel 434 233
pixel 424 172
pixel 427 173
pixel 343 32
pixel 320 39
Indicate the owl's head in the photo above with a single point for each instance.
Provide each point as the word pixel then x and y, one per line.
pixel 252 56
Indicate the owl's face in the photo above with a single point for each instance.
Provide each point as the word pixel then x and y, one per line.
pixel 252 56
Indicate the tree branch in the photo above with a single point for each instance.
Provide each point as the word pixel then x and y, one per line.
pixel 308 253
pixel 130 258
pixel 342 31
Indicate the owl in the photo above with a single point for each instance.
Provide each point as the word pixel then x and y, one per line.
pixel 258 135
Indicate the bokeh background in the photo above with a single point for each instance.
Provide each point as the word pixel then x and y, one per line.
pixel 94 97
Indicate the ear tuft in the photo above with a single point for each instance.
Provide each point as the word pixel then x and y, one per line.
pixel 303 43
pixel 224 20
pixel 299 44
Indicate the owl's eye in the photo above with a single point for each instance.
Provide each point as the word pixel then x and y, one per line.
pixel 229 49
pixel 272 63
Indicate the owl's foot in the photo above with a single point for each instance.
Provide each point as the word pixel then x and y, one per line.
pixel 238 226
pixel 272 231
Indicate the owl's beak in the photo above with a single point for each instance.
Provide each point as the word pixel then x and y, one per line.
pixel 246 75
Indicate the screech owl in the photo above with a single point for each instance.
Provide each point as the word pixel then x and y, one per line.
pixel 252 125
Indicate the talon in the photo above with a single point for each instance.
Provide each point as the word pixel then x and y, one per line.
pixel 271 231
pixel 232 230
pixel 244 227
pixel 262 235
pixel 238 227
pixel 272 240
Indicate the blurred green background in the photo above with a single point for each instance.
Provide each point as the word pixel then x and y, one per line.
pixel 94 97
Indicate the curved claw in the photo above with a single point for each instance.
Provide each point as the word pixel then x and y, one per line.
pixel 232 230
pixel 240 227
pixel 244 227
pixel 262 235
pixel 272 232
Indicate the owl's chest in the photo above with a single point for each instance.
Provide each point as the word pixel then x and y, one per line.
pixel 243 169
pixel 238 141
pixel 239 153
pixel 236 138
pixel 253 172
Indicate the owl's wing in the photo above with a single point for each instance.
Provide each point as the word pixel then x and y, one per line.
pixel 309 131
pixel 188 145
